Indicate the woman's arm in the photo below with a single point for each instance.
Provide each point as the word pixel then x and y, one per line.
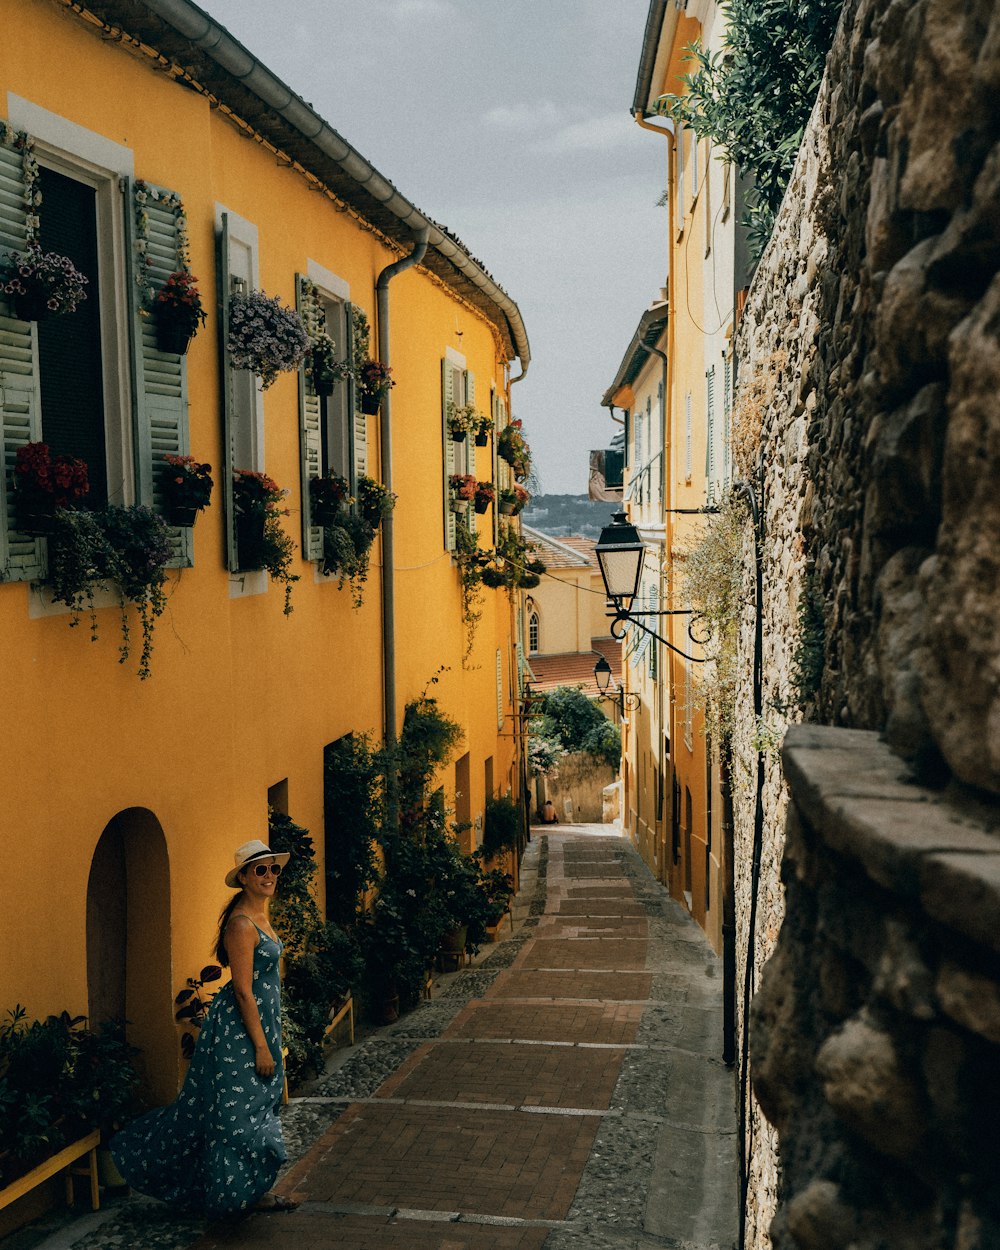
pixel 241 939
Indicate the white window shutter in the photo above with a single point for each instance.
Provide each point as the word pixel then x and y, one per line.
pixel 159 379
pixel 499 689
pixel 359 421
pixel 447 399
pixel 21 558
pixel 310 430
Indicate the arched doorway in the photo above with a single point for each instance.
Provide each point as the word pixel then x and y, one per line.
pixel 128 944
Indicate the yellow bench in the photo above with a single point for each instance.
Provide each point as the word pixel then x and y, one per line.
pixel 57 1163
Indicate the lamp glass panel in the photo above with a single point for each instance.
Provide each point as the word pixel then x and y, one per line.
pixel 620 569
pixel 602 674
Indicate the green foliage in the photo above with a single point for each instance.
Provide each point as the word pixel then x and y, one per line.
pixel 543 754
pixel 808 656
pixel 753 98
pixel 347 545
pixel 568 717
pixel 713 587
pixel 322 961
pixel 501 826
pixel 426 742
pixel 354 806
pixel 471 561
pixel 58 1081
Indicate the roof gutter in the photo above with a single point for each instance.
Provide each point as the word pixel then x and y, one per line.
pixel 216 42
pixel 647 59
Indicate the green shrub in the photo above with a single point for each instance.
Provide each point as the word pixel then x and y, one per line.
pixel 502 825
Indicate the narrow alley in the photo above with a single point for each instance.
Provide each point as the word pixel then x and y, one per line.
pixel 566 1091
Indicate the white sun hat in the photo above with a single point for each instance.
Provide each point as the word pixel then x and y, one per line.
pixel 247 853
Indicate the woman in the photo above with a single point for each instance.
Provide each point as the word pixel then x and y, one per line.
pixel 218 1148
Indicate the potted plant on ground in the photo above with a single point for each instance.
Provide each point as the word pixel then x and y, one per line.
pixel 327 496
pixel 375 501
pixel 43 483
pixel 41 284
pixel 512 447
pixel 325 366
pixel 374 382
pixel 261 542
pixel 484 496
pixel 463 491
pixel 178 311
pixel 140 542
pixel 264 336
pixel 187 488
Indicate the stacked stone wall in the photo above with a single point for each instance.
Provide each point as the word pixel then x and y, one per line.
pixel 867 418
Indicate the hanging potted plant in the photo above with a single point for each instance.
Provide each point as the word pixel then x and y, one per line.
pixel 512 447
pixel 140 542
pixel 187 489
pixel 325 367
pixel 179 312
pixel 484 496
pixel 484 428
pixel 43 483
pixel 462 420
pixel 327 496
pixel 375 501
pixel 347 544
pixel 264 336
pixel 261 542
pixel 374 382
pixel 80 556
pixel 508 501
pixel 41 284
pixel 463 491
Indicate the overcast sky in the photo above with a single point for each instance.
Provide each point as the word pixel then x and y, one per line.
pixel 509 123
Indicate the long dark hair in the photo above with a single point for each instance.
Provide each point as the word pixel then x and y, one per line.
pixel 220 942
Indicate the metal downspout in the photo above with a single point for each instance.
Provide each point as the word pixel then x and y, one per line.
pixel 385 447
pixel 663 712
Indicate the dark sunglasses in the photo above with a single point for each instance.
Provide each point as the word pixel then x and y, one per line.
pixel 263 869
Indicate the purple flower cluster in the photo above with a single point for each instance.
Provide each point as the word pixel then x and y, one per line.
pixel 46 276
pixel 265 337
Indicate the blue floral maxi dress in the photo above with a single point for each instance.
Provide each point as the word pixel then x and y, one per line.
pixel 218 1148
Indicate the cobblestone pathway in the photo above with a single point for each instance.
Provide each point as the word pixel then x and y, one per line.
pixel 564 1093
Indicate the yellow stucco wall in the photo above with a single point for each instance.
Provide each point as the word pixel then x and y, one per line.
pixel 240 697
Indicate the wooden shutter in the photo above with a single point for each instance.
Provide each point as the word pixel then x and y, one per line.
pixel 310 433
pixel 499 689
pixel 358 419
pixel 21 558
pixel 159 379
pixel 710 432
pixel 448 458
pixel 223 279
pixel 494 461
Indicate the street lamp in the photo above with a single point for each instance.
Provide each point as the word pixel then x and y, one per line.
pixel 619 556
pixel 624 698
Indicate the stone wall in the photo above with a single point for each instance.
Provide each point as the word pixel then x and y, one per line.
pixel 866 416
pixel 576 787
pixel 876 1031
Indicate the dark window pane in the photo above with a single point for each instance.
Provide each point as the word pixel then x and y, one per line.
pixel 69 346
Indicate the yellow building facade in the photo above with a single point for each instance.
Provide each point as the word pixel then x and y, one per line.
pixel 675 386
pixel 126 798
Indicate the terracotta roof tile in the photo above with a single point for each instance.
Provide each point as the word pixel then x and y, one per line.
pixel 576 668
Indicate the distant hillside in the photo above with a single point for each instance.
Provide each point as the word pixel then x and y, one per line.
pixel 560 515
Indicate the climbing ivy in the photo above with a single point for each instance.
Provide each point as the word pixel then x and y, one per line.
pixel 753 98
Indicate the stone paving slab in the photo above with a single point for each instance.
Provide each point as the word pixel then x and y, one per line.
pixel 448 1159
pixel 599 907
pixel 321 1230
pixel 593 926
pixel 550 1022
pixel 605 986
pixel 624 954
pixel 509 1073
pixel 622 891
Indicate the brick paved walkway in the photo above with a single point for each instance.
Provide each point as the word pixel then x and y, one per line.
pixel 539 1113
pixel 565 1092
